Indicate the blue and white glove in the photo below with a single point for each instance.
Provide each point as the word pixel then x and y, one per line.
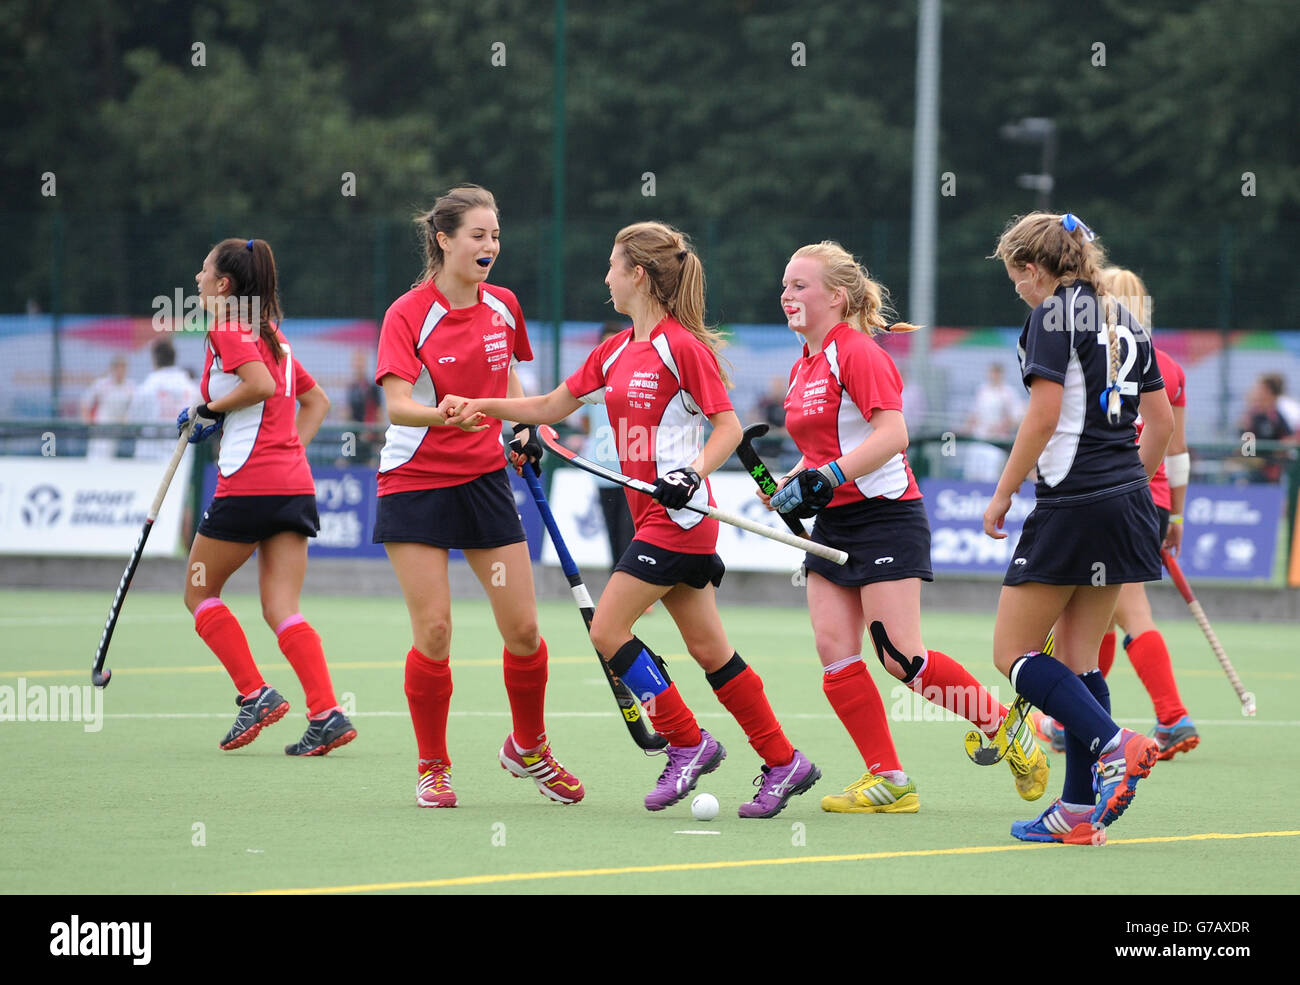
pixel 206 422
pixel 808 491
pixel 675 489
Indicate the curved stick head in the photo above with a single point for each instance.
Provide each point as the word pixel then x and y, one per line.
pixel 100 678
pixel 1248 704
pixel 753 431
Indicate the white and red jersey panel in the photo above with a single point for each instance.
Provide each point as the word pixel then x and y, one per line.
pixel 832 395
pixel 659 394
pixel 1176 385
pixel 439 350
pixel 260 451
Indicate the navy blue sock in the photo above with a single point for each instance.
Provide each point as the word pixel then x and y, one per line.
pixel 1049 685
pixel 1078 761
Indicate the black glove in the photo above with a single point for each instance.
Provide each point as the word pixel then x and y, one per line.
pixel 675 489
pixel 809 491
pixel 530 449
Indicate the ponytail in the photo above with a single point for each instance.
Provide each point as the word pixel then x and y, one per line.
pixel 675 278
pixel 250 265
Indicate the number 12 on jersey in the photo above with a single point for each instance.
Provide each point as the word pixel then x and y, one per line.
pixel 1128 344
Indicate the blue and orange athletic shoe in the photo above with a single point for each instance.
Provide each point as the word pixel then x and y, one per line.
pixel 1048 731
pixel 1181 736
pixel 1060 825
pixel 1115 775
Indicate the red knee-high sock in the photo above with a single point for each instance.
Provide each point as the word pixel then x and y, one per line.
pixel 428 693
pixel 744 697
pixel 526 689
pixel 301 646
pixel 1150 658
pixel 947 683
pixel 856 701
pixel 672 719
pixel 224 636
pixel 1106 653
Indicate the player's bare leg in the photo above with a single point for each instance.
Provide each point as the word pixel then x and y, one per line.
pixel 422 573
pixel 281 569
pixel 785 771
pixel 1175 731
pixel 838 626
pixel 211 563
pixel 506 575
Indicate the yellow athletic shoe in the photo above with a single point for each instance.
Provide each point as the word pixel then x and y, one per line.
pixel 874 795
pixel 1028 764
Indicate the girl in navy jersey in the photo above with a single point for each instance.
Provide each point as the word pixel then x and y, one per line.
pixel 443 486
pixel 1089 368
pixel 660 380
pixel 265 499
pixel 1175 731
pixel 844 412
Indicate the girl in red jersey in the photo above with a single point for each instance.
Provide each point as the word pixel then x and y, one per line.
pixel 844 412
pixel 265 499
pixel 1175 731
pixel 443 486
pixel 659 381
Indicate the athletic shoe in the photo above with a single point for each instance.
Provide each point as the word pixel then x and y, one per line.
pixel 323 735
pixel 254 715
pixel 434 788
pixel 686 764
pixel 1028 765
pixel 874 795
pixel 1061 825
pixel 777 784
pixel 1048 731
pixel 1115 775
pixel 1181 736
pixel 552 779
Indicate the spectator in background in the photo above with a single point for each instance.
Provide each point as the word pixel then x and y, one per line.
pixel 108 401
pixel 1265 421
pixel 775 446
pixel 159 398
pixel 994 416
pixel 1288 407
pixel 365 401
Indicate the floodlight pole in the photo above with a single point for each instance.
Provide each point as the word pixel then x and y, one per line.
pixel 925 187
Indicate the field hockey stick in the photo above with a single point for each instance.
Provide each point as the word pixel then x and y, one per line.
pixel 98 675
pixel 1017 718
pixel 645 737
pixel 552 442
pixel 758 472
pixel 1176 573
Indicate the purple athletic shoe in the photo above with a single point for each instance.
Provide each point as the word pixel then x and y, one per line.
pixel 777 784
pixel 686 764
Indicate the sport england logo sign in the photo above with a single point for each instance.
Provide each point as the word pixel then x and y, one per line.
pixel 41 506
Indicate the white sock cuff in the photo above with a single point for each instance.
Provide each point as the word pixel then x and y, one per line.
pixel 839 665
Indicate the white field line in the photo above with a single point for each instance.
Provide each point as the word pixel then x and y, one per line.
pixel 819 716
